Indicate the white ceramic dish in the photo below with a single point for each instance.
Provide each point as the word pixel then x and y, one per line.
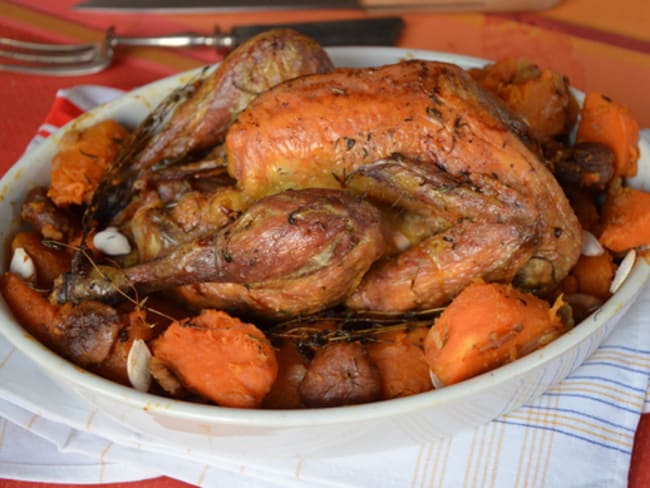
pixel 336 431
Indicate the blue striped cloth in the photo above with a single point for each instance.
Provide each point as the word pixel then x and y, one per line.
pixel 579 433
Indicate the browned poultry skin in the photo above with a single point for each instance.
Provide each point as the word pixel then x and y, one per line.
pixel 309 248
pixel 483 230
pixel 197 116
pixel 432 272
pixel 158 229
pixel 257 65
pixel 316 130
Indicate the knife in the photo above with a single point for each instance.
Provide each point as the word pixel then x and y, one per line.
pixel 373 31
pixel 166 6
pixel 205 5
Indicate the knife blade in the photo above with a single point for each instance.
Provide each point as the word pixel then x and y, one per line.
pixel 211 5
pixel 193 6
pixel 374 31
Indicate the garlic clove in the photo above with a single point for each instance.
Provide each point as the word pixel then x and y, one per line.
pixel 590 244
pixel 138 364
pixel 435 381
pixel 623 271
pixel 112 242
pixel 22 265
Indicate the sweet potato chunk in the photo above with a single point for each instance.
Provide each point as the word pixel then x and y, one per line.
pixel 292 366
pixel 401 364
pixel 541 96
pixel 49 262
pixel 32 310
pixel 81 161
pixel 134 327
pixel 594 274
pixel 612 124
pixel 625 219
pixel 486 326
pixel 220 358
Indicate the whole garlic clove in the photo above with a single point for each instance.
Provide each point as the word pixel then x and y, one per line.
pixel 590 244
pixel 112 242
pixel 623 271
pixel 138 364
pixel 22 265
pixel 435 381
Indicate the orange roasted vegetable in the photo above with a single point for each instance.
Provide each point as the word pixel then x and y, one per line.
pixel 292 366
pixel 400 360
pixel 594 274
pixel 486 326
pixel 81 161
pixel 49 262
pixel 540 96
pixel 220 358
pixel 625 219
pixel 135 327
pixel 32 310
pixel 607 122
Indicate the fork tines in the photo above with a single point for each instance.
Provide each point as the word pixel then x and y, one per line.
pixel 52 59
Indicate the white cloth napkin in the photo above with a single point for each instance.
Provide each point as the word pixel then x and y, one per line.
pixel 580 433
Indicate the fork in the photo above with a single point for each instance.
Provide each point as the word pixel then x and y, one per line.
pixel 81 59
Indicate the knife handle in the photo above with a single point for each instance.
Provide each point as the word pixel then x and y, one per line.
pixel 373 31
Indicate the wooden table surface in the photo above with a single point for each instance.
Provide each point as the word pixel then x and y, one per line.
pixel 599 44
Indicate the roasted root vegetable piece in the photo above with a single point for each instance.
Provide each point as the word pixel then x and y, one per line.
pixel 219 358
pixel 594 275
pixel 114 366
pixel 341 373
pixel 292 366
pixel 625 219
pixel 586 208
pixel 541 96
pixel 49 262
pixel 46 218
pixel 401 364
pixel 85 333
pixel 82 158
pixel 486 326
pixel 32 310
pixel 607 122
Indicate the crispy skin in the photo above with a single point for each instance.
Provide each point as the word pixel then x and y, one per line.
pixel 298 252
pixel 196 116
pixel 484 230
pixel 316 130
pixel 254 67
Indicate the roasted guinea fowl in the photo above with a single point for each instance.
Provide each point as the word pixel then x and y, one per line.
pixel 316 130
pixel 419 136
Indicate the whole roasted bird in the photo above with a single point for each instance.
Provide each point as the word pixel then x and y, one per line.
pixel 419 142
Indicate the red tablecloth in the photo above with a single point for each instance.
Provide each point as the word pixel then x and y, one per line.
pixel 599 44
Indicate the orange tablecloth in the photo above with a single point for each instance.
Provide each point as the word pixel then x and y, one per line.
pixel 599 44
